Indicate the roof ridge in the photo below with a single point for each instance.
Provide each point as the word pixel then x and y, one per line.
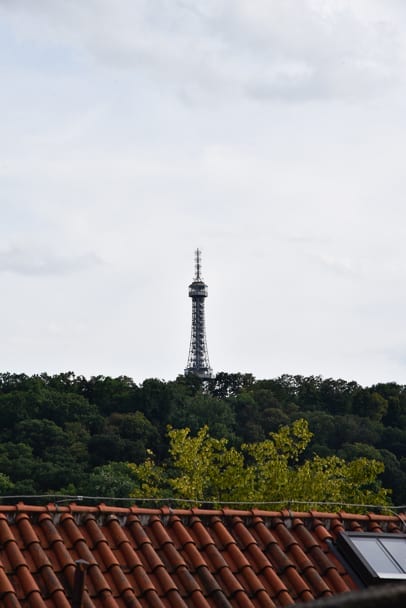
pixel 165 510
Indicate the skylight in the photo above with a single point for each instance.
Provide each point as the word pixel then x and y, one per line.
pixel 374 557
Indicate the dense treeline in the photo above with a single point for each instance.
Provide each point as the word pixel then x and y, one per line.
pixel 66 434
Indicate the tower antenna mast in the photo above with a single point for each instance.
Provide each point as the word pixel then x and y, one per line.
pixel 198 360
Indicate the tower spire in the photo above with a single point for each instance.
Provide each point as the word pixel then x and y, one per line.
pixel 197 264
pixel 198 360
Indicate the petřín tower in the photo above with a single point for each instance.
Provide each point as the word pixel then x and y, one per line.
pixel 198 361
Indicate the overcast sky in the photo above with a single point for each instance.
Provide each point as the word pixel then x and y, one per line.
pixel 269 133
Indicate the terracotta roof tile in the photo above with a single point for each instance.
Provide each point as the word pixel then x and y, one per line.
pixel 133 568
pixel 197 565
pixel 51 585
pixel 110 563
pixel 165 584
pixel 176 564
pixel 219 566
pixel 305 566
pixel 261 565
pixel 163 558
pixel 242 567
pixel 297 586
pixel 326 567
pixel 17 561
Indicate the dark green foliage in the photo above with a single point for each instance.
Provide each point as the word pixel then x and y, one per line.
pixel 370 404
pixel 104 448
pixel 16 460
pixel 157 400
pixel 135 427
pixel 201 410
pixel 43 435
pixel 395 438
pixel 229 385
pixel 247 413
pixel 336 395
pixel 112 394
pixel 110 480
pixel 323 426
pixel 394 475
pixel 67 434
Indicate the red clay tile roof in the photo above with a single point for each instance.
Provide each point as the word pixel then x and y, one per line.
pixel 163 558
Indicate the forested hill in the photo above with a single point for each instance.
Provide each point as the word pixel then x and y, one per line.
pixel 66 434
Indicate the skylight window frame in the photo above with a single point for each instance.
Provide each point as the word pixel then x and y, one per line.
pixel 359 562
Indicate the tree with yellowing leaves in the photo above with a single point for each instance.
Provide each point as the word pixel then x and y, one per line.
pixel 203 469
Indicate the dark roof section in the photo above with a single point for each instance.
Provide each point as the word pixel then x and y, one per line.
pixel 161 558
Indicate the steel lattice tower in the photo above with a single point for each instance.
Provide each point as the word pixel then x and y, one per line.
pixel 198 361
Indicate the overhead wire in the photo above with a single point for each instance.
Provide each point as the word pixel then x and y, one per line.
pixel 60 498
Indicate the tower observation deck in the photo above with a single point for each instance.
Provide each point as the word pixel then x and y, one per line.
pixel 198 361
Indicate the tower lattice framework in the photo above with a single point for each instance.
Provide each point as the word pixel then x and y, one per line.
pixel 198 361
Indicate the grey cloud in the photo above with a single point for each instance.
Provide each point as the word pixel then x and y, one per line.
pixel 35 262
pixel 261 49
